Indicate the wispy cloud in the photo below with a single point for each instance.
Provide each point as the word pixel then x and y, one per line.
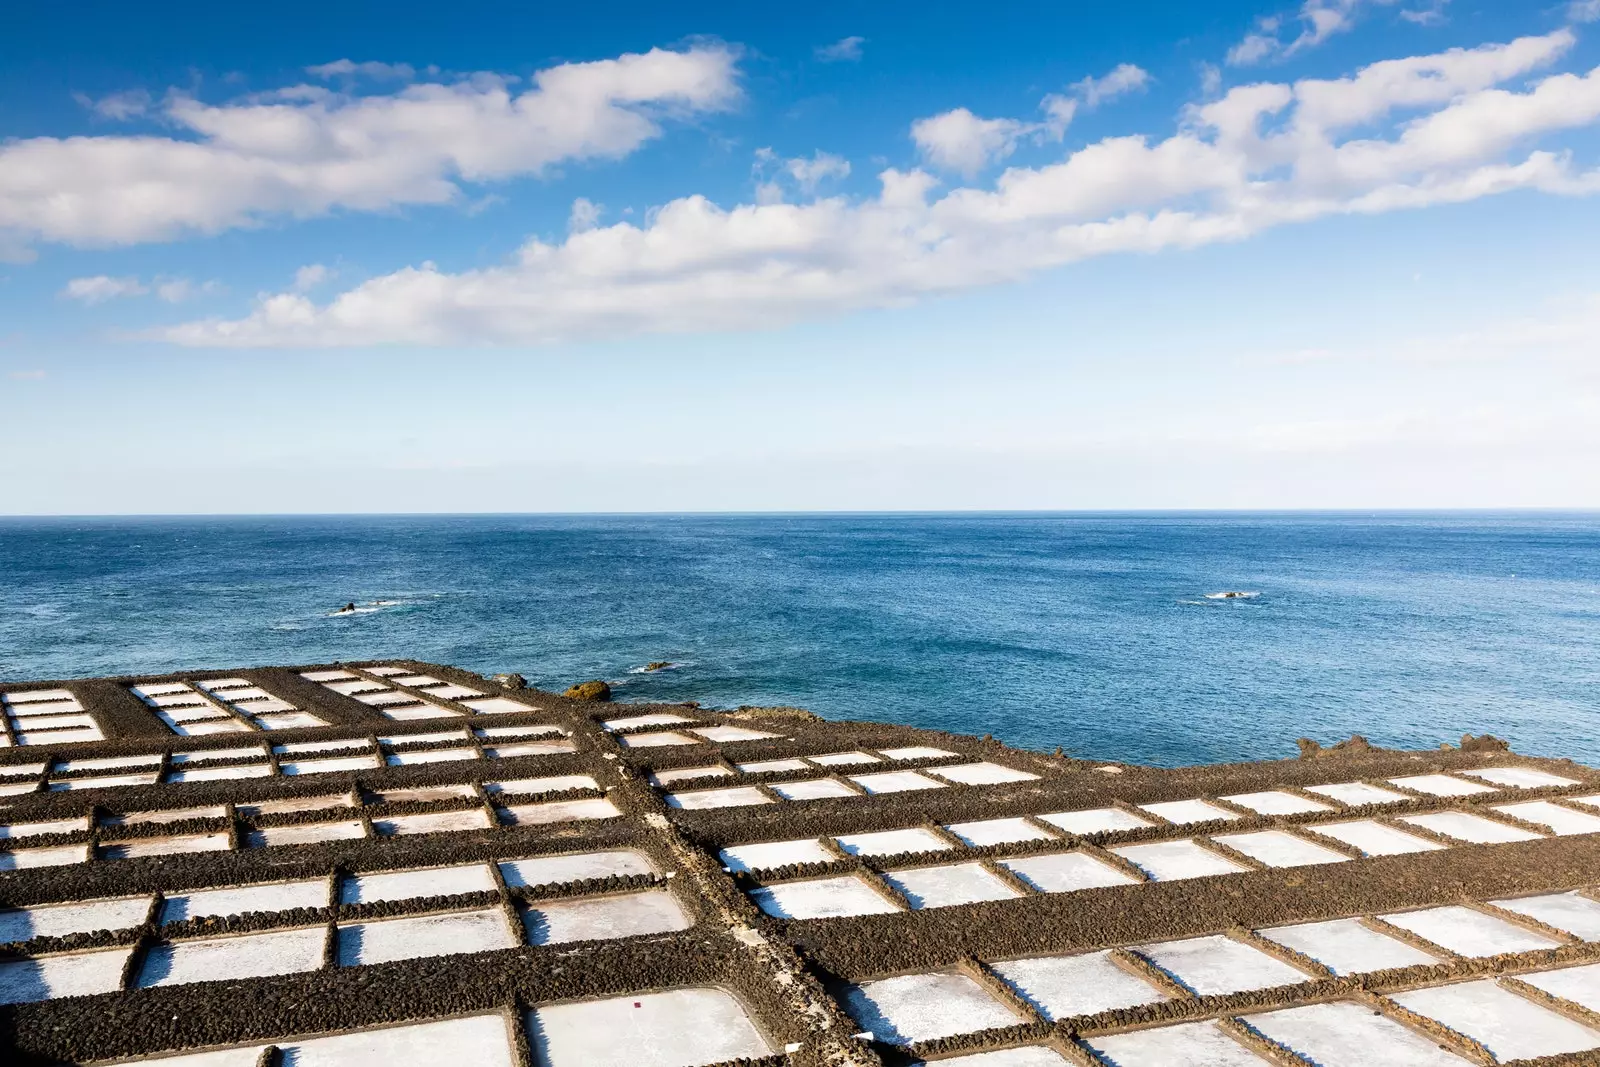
pixel 1314 23
pixel 1125 78
pixel 102 287
pixel 1584 11
pixel 346 68
pixel 118 107
pixel 844 50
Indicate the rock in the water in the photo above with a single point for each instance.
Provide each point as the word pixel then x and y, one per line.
pixel 511 681
pixel 592 690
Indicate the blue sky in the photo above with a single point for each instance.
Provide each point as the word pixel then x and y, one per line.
pixel 353 257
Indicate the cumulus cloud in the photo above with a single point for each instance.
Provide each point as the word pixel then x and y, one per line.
pixel 585 215
pixel 102 287
pixel 1316 21
pixel 961 142
pixel 1400 134
pixel 347 68
pixel 1126 78
pixel 307 150
pixel 809 173
pixel 844 50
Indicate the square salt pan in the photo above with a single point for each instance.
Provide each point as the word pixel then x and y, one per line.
pixel 1471 828
pixel 1572 912
pixel 559 811
pixel 736 797
pixel 553 784
pixel 1346 946
pixel 288 720
pixel 997 832
pixel 772 765
pixel 772 854
pixel 921 1007
pixel 915 752
pixel 1171 861
pixel 842 759
pixel 1579 985
pixel 1520 777
pixel 813 789
pixel 1096 820
pixel 418 712
pixel 943 887
pixel 426 935
pixel 575 867
pixel 728 734
pixel 432 823
pixel 222 959
pixel 1217 964
pixel 452 692
pixel 1441 785
pixel 77 974
pixel 894 782
pixel 1343 1034
pixel 409 885
pixel 672 1029
pixel 1277 848
pixel 822 898
pixel 684 774
pixel 661 739
pixel 307 834
pixel 893 842
pixel 1184 1045
pixel 416 680
pixel 657 718
pixel 243 900
pixel 981 774
pixel 1512 1027
pixel 1276 802
pixel 1374 838
pixel 59 920
pixel 1066 872
pixel 1062 987
pixel 1355 794
pixel 1562 821
pixel 1468 932
pixel 1183 812
pixel 498 706
pixel 554 922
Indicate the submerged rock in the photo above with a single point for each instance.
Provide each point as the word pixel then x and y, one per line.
pixel 591 690
pixel 511 681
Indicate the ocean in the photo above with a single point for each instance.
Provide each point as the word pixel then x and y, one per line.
pixel 1098 633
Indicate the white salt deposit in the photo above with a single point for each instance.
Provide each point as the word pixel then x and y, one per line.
pixel 574 867
pixel 893 842
pixel 554 922
pixel 146 818
pixel 325 676
pixel 1065 872
pixel 1572 912
pixel 559 811
pixel 385 672
pixel 1346 946
pixel 71 975
pixel 1343 1034
pixel 423 935
pixel 58 737
pixel 1468 931
pixel 498 706
pixel 1471 828
pixel 416 681
pixel 1560 820
pixel 1520 777
pixel 661 739
pixel 774 854
pixel 307 833
pixel 408 885
pixel 1356 794
pixel 1277 802
pixel 813 789
pixel 1374 838
pixel 302 748
pixel 822 898
pixel 1061 987
pixel 981 774
pixel 920 1007
pixel 209 727
pixel 1512 1027
pixel 108 763
pixel 331 765
pixel 728 734
pixel 59 920
pixel 997 832
pixel 275 807
pixel 519 731
pixel 553 784
pixel 219 774
pixel 437 755
pixel 165 846
pixel 673 1029
pixel 432 822
pixel 1096 820
pixel 242 900
pixel 53 826
pixel 418 712
pixel 895 782
pixel 219 959
pixel 1579 985
pixel 1218 964
pixel 768 766
pixel 109 781
pixel 351 688
pixel 1185 1045
pixel 1171 861
pixel 289 720
pixel 19 859
pixel 1183 812
pixel 946 886
pixel 1278 848
pixel 684 774
pixel 915 752
pixel 426 794
pixel 1441 785
pixel 735 797
pixel 842 759
pixel 31 696
pixel 657 718
pixel 456 692
pixel 208 755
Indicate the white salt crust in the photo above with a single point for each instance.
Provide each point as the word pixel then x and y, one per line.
pixel 55 856
pixel 1356 794
pixel 1061 987
pixel 329 766
pixel 416 681
pixel 58 737
pixel 1346 946
pixel 1279 848
pixel 418 713
pixel 893 842
pixel 59 920
pixel 275 807
pixel 1512 1027
pixel 301 748
pixel 455 692
pixel 30 696
pixel 1374 838
pixel 1096 820
pixel 1473 829
pixel 658 718
pixel 981 774
pixel 437 755
pixel 686 774
pixel 1343 1034
pixel 425 935
pixel 771 765
pixel 920 1007
pixel 165 846
pixel 1276 802
pixel 498 706
pixel 408 885
pixel 242 900
pixel 534 786
pixel 676 1028
pixel 1576 914
pixel 1579 985
pixel 915 752
pixel 432 822
pixel 1218 964
pixel 207 755
pixel 480 1040
pixel 71 975
pixel 997 832
pixel 813 789
pixel 110 781
pixel 1065 872
pixel 822 898
pixel 1183 812
pixel 774 854
pixel 34 829
pixel 107 763
pixel 425 793
pixel 728 734
pixel 307 833
pixel 231 958
pixel 949 885
pixel 1520 777
pixel 558 811
pixel 577 866
pixel 1184 1045
pixel 1469 932
pixel 735 797
pixel 1171 861
pixel 895 782
pixel 325 676
pixel 554 922
pixel 662 739
pixel 519 731
pixel 1441 785
pixel 218 774
pixel 1559 820
pixel 842 759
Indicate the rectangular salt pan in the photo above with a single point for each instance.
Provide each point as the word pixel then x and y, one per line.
pixel 574 867
pixel 685 774
pixel 58 737
pixel 330 766
pixel 1066 872
pixel 670 1029
pixel 277 807
pixel 1579 985
pixel 658 718
pixel 1355 794
pixel 165 846
pixel 1276 848
pixel 307 833
pixel 409 885
pixel 59 920
pixel 893 842
pixel 554 922
pixel 1062 987
pixel 531 748
pixel 729 734
pixel 34 829
pixel 1096 820
pixel 427 794
pixel 437 755
pixel 660 739
pixel 981 774
pixel 813 789
pixel 1183 812
pixel 479 1040
pixel 1470 828
pixel 221 959
pixel 1346 946
pixel 915 752
pixel 1342 1034
pixel 737 797
pixel 498 706
pixel 1374 838
pixel 25 858
pixel 1276 802
pixel 773 765
pixel 895 782
pixel 947 886
pixel 921 1007
pixel 432 822
pixel 1441 785
pixel 559 811
pixel 822 898
pixel 1562 821
pixel 553 784
pixel 1511 1027
pixel 1469 932
pixel 774 854
pixel 1217 964
pixel 1171 861
pixel 242 900
pixel 997 832
pixel 220 774
pixel 842 759
pixel 77 974
pixel 35 695
pixel 1520 777
pixel 1572 912
pixel 109 781
pixel 426 935
pixel 1184 1045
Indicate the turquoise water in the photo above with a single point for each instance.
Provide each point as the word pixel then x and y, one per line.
pixel 1089 631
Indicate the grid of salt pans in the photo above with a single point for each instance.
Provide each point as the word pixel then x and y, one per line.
pixel 645 731
pixel 220 706
pixel 831 786
pixel 480 927
pixel 1500 1014
pixel 983 878
pixel 381 688
pixel 46 717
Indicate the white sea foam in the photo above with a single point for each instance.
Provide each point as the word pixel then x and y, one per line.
pixel 1231 595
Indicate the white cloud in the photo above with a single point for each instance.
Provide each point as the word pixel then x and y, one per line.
pixel 809 173
pixel 308 150
pixel 1429 130
pixel 960 141
pixel 585 215
pixel 310 276
pixel 177 290
pixel 1318 20
pixel 346 68
pixel 102 287
pixel 1584 11
pixel 844 50
pixel 119 107
pixel 1210 79
pixel 1126 78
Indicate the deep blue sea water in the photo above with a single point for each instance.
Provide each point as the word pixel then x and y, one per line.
pixel 1088 631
